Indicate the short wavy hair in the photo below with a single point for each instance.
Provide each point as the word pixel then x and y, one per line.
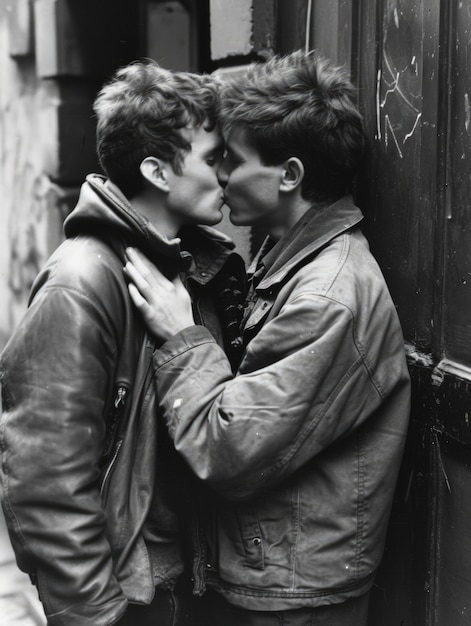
pixel 300 105
pixel 141 112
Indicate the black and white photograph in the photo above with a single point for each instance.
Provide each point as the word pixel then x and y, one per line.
pixel 235 332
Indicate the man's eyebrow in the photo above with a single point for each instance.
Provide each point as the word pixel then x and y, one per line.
pixel 216 149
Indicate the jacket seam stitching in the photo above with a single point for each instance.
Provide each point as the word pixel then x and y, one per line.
pixel 357 343
pixel 250 591
pixel 294 547
pixel 82 294
pixel 360 505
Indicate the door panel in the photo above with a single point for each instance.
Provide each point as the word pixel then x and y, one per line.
pixel 415 90
pixel 398 87
pixel 457 291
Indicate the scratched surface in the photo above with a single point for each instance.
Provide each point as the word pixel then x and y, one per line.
pixel 417 101
pixel 399 80
pixel 395 76
pixel 416 93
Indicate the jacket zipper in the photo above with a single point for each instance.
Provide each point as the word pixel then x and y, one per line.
pixel 118 405
pixel 120 399
pixel 110 465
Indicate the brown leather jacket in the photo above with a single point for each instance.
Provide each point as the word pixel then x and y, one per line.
pixel 91 499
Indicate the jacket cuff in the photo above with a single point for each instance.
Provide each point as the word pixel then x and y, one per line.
pixel 185 340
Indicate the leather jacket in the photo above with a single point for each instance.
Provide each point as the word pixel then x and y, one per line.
pixel 303 445
pixel 91 482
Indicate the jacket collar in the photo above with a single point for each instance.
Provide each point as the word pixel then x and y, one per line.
pixel 311 233
pixel 209 249
pixel 103 209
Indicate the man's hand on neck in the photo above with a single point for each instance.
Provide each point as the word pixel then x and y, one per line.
pixel 165 305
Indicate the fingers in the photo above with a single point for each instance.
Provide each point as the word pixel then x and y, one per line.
pixel 136 277
pixel 165 305
pixel 136 297
pixel 144 309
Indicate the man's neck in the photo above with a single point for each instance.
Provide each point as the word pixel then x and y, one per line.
pixel 293 213
pixel 158 216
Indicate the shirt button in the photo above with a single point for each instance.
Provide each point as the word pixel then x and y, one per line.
pixel 256 541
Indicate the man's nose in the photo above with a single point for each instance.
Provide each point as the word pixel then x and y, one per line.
pixel 222 176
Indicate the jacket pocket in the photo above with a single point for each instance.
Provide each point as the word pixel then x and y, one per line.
pixel 256 318
pixel 252 539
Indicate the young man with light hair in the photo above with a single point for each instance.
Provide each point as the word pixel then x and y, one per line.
pixel 302 445
pixel 94 493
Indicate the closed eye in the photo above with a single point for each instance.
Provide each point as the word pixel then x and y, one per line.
pixel 234 161
pixel 214 159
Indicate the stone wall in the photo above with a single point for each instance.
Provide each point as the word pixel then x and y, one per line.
pixel 28 135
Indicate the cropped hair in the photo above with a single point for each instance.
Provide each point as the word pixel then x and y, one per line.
pixel 300 105
pixel 141 112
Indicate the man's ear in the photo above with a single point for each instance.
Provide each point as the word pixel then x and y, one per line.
pixel 293 174
pixel 154 171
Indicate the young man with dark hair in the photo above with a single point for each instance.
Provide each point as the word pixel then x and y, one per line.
pixel 93 490
pixel 301 446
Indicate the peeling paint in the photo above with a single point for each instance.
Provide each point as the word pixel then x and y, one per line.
pixel 438 375
pixel 417 357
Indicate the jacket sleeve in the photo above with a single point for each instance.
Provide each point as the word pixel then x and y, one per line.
pixel 56 373
pixel 302 385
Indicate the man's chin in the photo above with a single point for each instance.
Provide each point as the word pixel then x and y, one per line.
pixel 238 220
pixel 214 219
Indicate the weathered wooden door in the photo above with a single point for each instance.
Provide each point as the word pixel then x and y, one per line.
pixel 413 64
